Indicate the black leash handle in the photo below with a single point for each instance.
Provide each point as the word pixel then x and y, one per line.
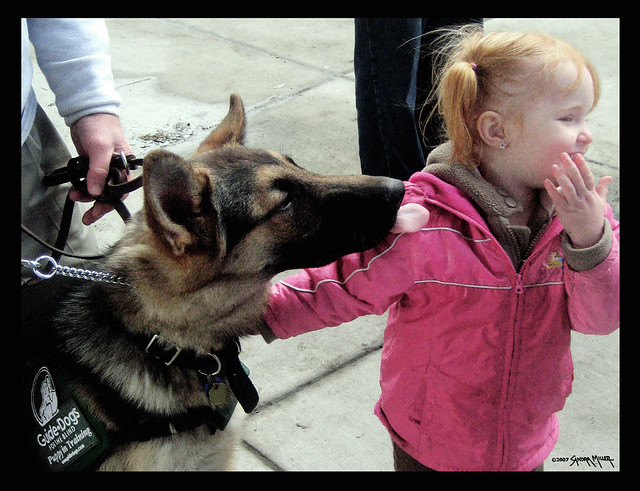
pixel 77 168
pixel 75 172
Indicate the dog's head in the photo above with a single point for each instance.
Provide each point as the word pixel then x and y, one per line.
pixel 255 212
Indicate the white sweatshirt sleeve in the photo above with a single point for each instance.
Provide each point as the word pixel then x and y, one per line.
pixel 73 56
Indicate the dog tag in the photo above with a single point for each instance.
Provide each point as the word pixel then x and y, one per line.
pixel 226 411
pixel 222 401
pixel 218 394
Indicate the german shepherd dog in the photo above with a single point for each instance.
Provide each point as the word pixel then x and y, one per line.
pixel 150 360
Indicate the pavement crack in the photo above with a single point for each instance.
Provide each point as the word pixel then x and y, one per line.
pixel 308 383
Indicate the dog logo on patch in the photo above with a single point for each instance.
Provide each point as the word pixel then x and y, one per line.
pixel 554 260
pixel 44 400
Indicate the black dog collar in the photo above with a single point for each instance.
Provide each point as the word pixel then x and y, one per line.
pixel 223 362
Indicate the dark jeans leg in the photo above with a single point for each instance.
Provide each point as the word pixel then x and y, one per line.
pixel 393 76
pixel 385 64
pixel 403 462
pixel 431 130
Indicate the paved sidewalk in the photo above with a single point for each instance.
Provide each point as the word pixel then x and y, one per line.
pixel 296 79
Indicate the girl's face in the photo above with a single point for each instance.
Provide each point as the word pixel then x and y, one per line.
pixel 552 123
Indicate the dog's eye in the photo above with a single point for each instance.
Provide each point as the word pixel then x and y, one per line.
pixel 287 192
pixel 286 203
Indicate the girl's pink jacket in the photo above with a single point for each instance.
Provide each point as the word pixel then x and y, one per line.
pixel 476 358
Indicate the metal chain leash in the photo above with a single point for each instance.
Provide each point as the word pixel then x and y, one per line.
pixel 39 267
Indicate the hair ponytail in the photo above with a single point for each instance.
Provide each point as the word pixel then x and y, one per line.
pixel 457 87
pixel 458 94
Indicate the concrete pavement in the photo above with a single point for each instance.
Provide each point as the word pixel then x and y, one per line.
pixel 296 79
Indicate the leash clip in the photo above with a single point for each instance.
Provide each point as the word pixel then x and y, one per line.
pixel 37 266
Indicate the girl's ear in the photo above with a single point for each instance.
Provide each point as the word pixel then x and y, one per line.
pixel 491 128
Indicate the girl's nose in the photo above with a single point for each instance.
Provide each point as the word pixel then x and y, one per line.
pixel 585 137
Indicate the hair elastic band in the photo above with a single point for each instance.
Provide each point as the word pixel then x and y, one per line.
pixel 473 66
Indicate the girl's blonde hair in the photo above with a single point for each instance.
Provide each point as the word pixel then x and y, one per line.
pixel 476 69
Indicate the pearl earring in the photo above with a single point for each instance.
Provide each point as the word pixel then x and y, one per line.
pixel 502 145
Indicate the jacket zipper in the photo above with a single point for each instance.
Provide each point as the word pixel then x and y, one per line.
pixel 519 289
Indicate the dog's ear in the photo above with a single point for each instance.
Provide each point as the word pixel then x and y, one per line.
pixel 230 130
pixel 173 199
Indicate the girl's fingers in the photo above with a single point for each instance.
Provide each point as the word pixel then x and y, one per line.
pixel 553 192
pixel 567 189
pixel 578 172
pixel 603 187
pixel 585 171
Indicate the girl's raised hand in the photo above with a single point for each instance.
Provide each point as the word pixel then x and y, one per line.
pixel 580 203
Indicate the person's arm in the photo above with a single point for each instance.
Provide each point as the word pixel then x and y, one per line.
pixel 73 56
pixel 592 281
pixel 590 245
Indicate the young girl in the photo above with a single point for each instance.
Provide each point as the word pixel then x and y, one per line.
pixel 520 248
